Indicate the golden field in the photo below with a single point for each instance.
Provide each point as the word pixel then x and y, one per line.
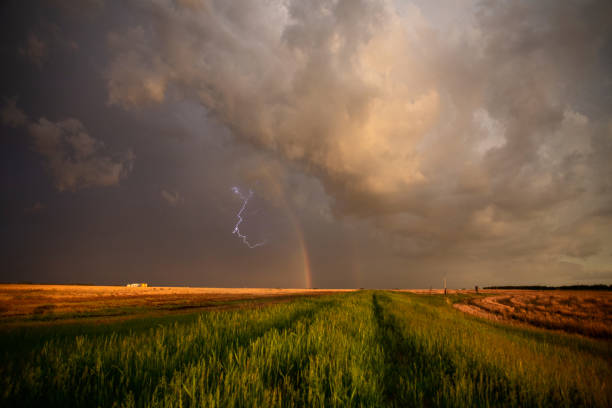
pixel 24 300
pixel 583 312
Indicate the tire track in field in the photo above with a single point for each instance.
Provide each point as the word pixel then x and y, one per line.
pixel 414 375
pixel 242 345
pixel 143 386
pixel 417 374
pixel 305 315
pixel 396 364
pixel 244 340
pixel 288 372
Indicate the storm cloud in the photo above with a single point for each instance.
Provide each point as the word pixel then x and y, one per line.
pixel 472 141
pixel 73 157
pixel 481 131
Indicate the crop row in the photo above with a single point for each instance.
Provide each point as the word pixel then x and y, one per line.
pixel 360 349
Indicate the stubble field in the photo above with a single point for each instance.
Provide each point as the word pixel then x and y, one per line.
pixel 584 312
pixel 363 348
pixel 20 303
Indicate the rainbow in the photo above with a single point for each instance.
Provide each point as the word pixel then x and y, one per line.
pixel 297 227
pixel 303 248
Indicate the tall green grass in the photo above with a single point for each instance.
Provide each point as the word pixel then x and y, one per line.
pixel 361 349
pixel 437 356
pixel 311 352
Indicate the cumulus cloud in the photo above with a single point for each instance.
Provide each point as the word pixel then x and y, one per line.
pixel 73 157
pixel 319 85
pixel 35 49
pixel 11 115
pixel 172 198
pixel 486 139
pixel 47 38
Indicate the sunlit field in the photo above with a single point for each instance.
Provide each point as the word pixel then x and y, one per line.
pixel 584 312
pixel 39 303
pixel 367 348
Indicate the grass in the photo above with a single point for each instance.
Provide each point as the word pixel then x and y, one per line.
pixel 436 356
pixel 358 349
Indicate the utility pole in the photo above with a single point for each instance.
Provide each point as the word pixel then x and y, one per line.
pixel 444 286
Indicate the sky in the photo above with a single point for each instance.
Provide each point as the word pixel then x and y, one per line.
pixel 380 143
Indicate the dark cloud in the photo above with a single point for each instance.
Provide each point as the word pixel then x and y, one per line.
pixel 35 49
pixel 347 91
pixel 34 208
pixel 466 140
pixel 73 157
pixel 173 199
pixel 11 115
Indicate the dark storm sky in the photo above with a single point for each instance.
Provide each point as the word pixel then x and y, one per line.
pixel 388 144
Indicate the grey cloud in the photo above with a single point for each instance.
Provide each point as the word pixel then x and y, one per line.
pixel 487 139
pixel 584 249
pixel 11 115
pixel 73 157
pixel 172 198
pixel 78 8
pixel 594 276
pixel 34 208
pixel 43 40
pixel 35 49
pixel 300 81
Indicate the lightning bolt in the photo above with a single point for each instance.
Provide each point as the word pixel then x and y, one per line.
pixel 245 201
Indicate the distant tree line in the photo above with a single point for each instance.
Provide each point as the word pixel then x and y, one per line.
pixel 565 287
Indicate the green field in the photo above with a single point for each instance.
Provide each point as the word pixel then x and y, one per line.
pixel 367 348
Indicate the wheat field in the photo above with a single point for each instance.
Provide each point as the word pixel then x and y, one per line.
pixel 364 348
